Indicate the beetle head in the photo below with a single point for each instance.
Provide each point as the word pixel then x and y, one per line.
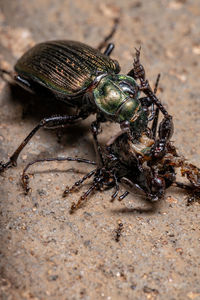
pixel 117 96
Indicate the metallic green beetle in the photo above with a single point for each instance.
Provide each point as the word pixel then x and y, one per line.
pixel 88 80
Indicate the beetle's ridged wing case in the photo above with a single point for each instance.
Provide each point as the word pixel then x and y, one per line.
pixel 67 67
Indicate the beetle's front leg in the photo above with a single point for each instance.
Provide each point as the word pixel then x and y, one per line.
pixel 96 129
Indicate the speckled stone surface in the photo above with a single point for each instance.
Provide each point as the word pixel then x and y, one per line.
pixel 46 253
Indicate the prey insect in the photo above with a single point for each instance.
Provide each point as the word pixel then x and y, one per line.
pixel 140 172
pixel 148 165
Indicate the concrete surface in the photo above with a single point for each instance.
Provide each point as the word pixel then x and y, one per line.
pixel 46 253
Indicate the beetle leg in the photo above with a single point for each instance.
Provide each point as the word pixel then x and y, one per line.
pixel 109 49
pixel 108 37
pixel 149 93
pixel 46 122
pixel 95 127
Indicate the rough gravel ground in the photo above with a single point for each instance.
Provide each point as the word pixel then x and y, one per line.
pixel 46 253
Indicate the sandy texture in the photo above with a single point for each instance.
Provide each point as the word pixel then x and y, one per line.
pixel 46 253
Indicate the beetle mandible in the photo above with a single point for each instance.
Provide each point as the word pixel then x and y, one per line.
pixel 88 80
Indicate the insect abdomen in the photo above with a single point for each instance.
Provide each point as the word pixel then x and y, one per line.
pixel 67 67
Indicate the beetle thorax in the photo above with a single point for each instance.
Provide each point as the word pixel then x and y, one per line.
pixel 117 97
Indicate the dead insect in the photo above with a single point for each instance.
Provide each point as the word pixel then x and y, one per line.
pixel 136 165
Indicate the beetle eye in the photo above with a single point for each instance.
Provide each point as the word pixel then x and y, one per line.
pixel 129 88
pixel 133 92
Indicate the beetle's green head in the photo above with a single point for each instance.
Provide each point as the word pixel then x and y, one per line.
pixel 118 97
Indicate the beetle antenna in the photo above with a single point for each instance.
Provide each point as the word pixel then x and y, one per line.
pixel 110 35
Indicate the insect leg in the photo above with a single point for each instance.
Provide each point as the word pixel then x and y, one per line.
pixel 25 177
pixel 78 183
pixel 155 113
pixel 46 122
pixel 109 49
pixel 183 185
pixel 123 196
pixel 114 195
pixel 75 206
pixel 155 123
pixel 165 132
pixel 95 127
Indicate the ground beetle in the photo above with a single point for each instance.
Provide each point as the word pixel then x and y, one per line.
pixel 88 80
